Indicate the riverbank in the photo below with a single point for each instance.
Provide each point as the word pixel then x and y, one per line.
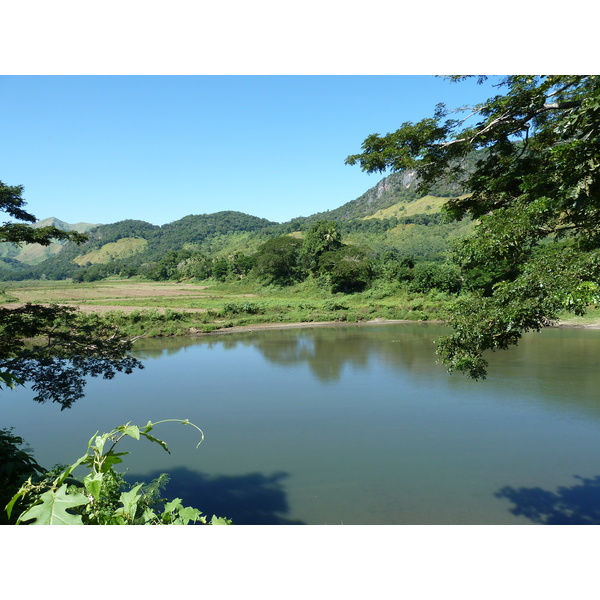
pixel 171 309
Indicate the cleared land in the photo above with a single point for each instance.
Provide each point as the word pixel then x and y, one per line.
pixel 228 307
pixel 106 296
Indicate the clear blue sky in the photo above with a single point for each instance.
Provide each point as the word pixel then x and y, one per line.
pixel 101 149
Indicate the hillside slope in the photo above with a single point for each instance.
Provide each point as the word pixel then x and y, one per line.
pixel 133 243
pixel 33 254
pixel 391 214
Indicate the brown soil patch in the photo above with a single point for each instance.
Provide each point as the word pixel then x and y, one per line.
pixel 100 308
pixel 109 292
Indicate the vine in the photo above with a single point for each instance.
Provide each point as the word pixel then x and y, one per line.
pixel 103 497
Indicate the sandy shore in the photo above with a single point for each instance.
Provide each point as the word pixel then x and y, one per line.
pixel 309 324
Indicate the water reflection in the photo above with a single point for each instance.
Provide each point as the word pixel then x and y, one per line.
pixel 368 427
pixel 252 499
pixel 575 505
pixel 557 366
pixel 326 351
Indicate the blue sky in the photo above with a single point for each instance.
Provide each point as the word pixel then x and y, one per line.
pixel 101 149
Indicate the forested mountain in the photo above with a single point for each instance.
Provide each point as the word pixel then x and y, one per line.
pixel 131 243
pixel 32 254
pixel 390 215
pixel 397 188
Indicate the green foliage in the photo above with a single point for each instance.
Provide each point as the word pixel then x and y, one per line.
pixel 535 193
pixel 277 261
pixel 350 269
pixel 393 266
pixel 220 269
pixel 68 347
pixel 426 276
pixel 12 203
pixel 17 465
pixel 333 305
pixel 201 232
pixel 323 236
pixel 235 308
pixel 102 497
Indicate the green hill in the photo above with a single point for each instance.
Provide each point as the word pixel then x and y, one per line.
pixel 33 254
pixel 390 215
pixel 122 248
pixel 133 243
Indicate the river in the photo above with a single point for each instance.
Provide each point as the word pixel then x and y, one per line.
pixel 350 425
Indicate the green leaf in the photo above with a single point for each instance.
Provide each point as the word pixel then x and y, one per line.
pixel 112 459
pixel 20 494
pixel 100 441
pixel 130 430
pixel 93 484
pixel 173 505
pixel 151 438
pixel 220 521
pixel 129 500
pixel 10 380
pixel 67 472
pixel 53 508
pixel 188 514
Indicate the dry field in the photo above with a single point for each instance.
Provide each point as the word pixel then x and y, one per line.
pixel 92 297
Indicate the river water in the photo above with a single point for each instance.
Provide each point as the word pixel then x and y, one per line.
pixel 350 425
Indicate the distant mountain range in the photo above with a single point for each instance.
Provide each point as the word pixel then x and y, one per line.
pixel 32 254
pixel 382 213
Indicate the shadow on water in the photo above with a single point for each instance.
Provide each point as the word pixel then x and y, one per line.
pixel 252 499
pixel 575 505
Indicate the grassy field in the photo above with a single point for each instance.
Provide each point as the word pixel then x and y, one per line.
pixel 152 309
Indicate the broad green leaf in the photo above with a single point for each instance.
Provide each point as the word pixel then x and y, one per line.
pixel 100 441
pixel 130 430
pixel 188 514
pixel 93 484
pixel 173 505
pixel 20 494
pixel 220 521
pixel 129 500
pixel 94 437
pixel 53 508
pixel 148 516
pixel 112 459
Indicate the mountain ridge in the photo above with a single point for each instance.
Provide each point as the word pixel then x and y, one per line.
pixel 131 244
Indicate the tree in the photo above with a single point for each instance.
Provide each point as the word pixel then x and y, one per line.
pixel 323 236
pixel 350 269
pixel 12 203
pixel 53 348
pixel 277 260
pixel 534 189
pixel 427 276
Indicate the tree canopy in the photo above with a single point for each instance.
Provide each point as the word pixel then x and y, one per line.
pixel 323 236
pixel 53 348
pixel 535 193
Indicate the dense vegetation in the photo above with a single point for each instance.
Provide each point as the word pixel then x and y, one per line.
pixel 516 244
pixel 37 496
pixel 53 349
pixel 535 192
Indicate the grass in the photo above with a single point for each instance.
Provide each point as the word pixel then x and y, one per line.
pixel 113 250
pixel 153 309
pixel 591 318
pixel 168 308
